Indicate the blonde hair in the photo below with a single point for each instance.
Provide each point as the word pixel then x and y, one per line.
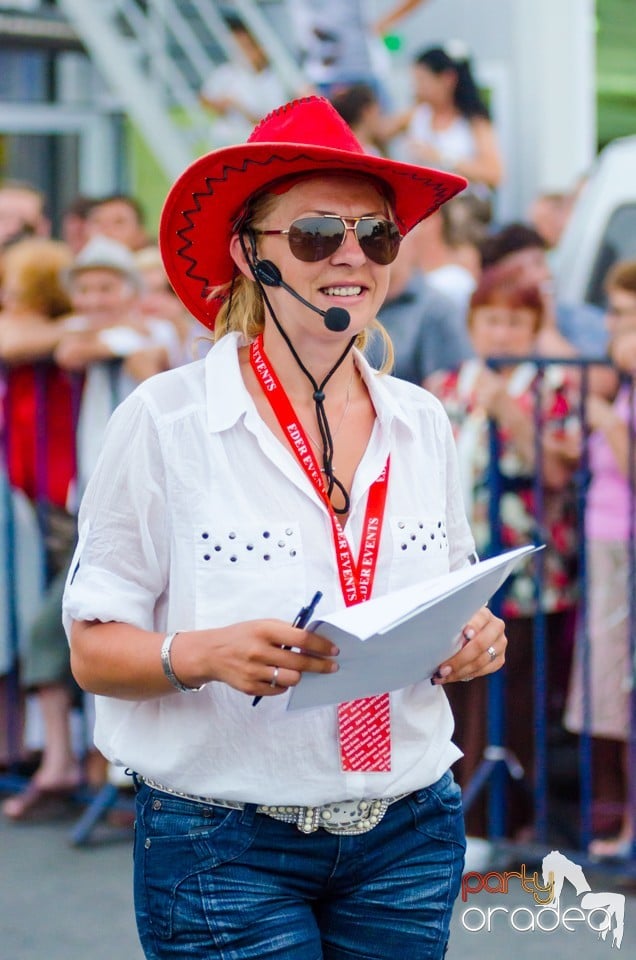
pixel 38 264
pixel 243 307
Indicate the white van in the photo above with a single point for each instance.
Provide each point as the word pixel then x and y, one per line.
pixel 602 227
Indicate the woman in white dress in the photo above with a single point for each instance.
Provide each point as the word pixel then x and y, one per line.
pixel 450 127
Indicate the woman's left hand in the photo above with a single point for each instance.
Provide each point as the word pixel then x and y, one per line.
pixel 483 651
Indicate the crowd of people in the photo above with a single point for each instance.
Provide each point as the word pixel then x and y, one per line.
pixel 84 319
pixel 88 316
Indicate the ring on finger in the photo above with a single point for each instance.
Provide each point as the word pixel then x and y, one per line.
pixel 466 679
pixel 274 678
pixel 492 653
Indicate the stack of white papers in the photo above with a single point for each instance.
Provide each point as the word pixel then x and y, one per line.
pixel 401 638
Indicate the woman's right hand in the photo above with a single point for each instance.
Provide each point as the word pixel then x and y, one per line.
pixel 262 658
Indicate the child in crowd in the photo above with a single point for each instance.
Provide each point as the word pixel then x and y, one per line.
pixel 609 526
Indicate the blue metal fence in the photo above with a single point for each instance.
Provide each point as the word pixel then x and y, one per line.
pixel 499 765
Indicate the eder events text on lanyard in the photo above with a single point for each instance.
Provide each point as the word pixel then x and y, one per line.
pixel 364 726
pixel 356 578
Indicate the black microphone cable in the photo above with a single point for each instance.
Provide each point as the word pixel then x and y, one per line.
pixel 318 389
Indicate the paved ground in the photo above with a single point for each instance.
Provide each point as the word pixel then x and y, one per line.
pixel 59 902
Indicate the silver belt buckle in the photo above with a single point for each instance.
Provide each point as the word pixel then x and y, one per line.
pixel 346 818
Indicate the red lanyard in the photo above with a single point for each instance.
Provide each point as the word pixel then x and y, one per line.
pixel 356 578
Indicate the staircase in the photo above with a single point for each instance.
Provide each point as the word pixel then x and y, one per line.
pixel 155 55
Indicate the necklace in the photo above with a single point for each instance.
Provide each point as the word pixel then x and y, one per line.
pixel 334 433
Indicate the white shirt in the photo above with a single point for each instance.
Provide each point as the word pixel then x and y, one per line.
pixel 198 516
pixel 258 92
pixel 454 143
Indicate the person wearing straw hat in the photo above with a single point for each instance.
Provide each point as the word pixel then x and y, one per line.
pixel 227 491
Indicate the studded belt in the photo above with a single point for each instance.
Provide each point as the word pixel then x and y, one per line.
pixel 344 817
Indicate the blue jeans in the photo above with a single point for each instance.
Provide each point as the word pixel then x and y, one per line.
pixel 237 885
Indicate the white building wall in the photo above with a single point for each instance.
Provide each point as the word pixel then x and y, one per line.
pixel 538 59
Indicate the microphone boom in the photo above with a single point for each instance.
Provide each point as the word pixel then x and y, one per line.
pixel 336 319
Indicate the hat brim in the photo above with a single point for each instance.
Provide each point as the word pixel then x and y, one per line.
pixel 202 207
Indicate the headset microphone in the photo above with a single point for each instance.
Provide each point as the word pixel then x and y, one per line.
pixel 335 319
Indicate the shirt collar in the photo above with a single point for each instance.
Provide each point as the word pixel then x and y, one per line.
pixel 227 398
pixel 223 379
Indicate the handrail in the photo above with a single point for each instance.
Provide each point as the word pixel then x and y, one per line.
pixel 156 59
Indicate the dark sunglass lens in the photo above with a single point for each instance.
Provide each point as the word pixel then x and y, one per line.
pixel 380 239
pixel 315 238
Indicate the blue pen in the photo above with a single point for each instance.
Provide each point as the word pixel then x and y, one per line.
pixel 301 620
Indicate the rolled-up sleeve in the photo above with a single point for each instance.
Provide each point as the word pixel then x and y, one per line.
pixel 120 566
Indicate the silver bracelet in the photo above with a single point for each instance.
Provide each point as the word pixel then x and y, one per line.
pixel 166 663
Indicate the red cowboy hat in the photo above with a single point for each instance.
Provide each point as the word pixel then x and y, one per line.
pixel 305 136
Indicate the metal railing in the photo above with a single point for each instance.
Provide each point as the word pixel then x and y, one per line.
pixel 155 57
pixel 499 765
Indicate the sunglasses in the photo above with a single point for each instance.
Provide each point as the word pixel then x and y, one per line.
pixel 316 238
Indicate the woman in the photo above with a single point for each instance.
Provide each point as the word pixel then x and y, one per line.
pixel 609 527
pixel 33 303
pixel 203 532
pixel 38 412
pixel 505 320
pixel 450 124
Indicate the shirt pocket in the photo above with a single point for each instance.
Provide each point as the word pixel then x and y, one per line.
pixel 248 569
pixel 420 549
